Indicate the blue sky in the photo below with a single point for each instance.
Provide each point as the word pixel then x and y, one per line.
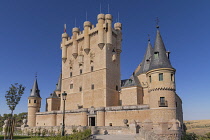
pixel 30 36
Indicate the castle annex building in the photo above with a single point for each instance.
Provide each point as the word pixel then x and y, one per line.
pixel 96 95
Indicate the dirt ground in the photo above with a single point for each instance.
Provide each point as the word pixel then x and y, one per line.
pixel 199 127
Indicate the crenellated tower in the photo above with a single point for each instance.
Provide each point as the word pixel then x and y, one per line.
pixel 91 64
pixel 34 104
pixel 161 83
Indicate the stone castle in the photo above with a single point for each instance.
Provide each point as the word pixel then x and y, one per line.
pixel 96 95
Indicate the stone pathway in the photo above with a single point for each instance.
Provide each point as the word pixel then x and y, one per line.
pixel 114 137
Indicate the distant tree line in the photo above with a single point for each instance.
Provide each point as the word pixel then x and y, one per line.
pixel 193 136
pixel 18 117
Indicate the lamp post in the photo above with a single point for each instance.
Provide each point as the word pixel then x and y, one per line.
pixel 64 94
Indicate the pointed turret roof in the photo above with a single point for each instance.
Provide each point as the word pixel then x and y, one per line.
pixel 58 85
pixel 146 61
pixel 159 57
pixel 35 90
pixel 53 95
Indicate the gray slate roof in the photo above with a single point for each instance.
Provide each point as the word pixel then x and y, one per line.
pixel 35 90
pixel 53 95
pixel 133 81
pixel 146 61
pixel 58 85
pixel 162 61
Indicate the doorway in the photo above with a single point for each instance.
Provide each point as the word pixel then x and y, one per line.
pixel 92 121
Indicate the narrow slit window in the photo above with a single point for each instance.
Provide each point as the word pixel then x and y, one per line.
pixel 80 89
pixel 92 68
pixel 34 101
pixel 160 76
pixel 80 71
pixel 29 101
pixel 70 74
pixel 150 79
pixel 92 86
pixel 116 87
pixel 172 77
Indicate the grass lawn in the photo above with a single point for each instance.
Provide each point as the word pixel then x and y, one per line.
pixel 17 137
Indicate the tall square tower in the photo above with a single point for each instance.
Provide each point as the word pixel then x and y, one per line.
pixel 91 64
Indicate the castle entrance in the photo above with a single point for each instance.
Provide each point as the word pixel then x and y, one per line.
pixel 92 121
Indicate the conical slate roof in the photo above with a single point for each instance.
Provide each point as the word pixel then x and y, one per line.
pixel 58 85
pixel 159 57
pixel 146 61
pixel 53 95
pixel 35 90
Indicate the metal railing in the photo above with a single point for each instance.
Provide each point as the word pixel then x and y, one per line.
pixel 163 104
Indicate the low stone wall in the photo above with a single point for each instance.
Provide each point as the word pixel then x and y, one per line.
pixel 146 130
pixel 52 130
pixel 150 135
pixel 117 130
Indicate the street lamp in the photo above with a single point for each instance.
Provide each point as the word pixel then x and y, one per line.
pixel 64 94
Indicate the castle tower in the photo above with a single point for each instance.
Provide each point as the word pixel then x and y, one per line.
pixel 161 83
pixel 91 70
pixel 34 104
pixel 141 72
pixel 58 86
pixel 53 101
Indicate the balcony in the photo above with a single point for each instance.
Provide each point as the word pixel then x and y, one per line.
pixel 163 103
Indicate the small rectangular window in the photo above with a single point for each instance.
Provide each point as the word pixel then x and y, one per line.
pixel 162 99
pixel 80 71
pixel 91 68
pixel 59 95
pixel 172 77
pixel 116 87
pixel 163 102
pixel 156 55
pixel 34 101
pixel 120 102
pixel 80 89
pixel 160 76
pixel 150 79
pixel 29 101
pixel 70 74
pixel 71 86
pixel 92 86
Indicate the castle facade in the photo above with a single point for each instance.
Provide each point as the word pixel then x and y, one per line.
pixel 96 95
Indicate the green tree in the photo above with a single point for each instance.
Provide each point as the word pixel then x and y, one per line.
pixel 13 96
pixel 208 135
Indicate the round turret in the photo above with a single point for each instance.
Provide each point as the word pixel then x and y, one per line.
pixel 118 26
pixel 101 16
pixel 87 24
pixel 34 105
pixel 108 17
pixel 75 29
pixel 64 35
